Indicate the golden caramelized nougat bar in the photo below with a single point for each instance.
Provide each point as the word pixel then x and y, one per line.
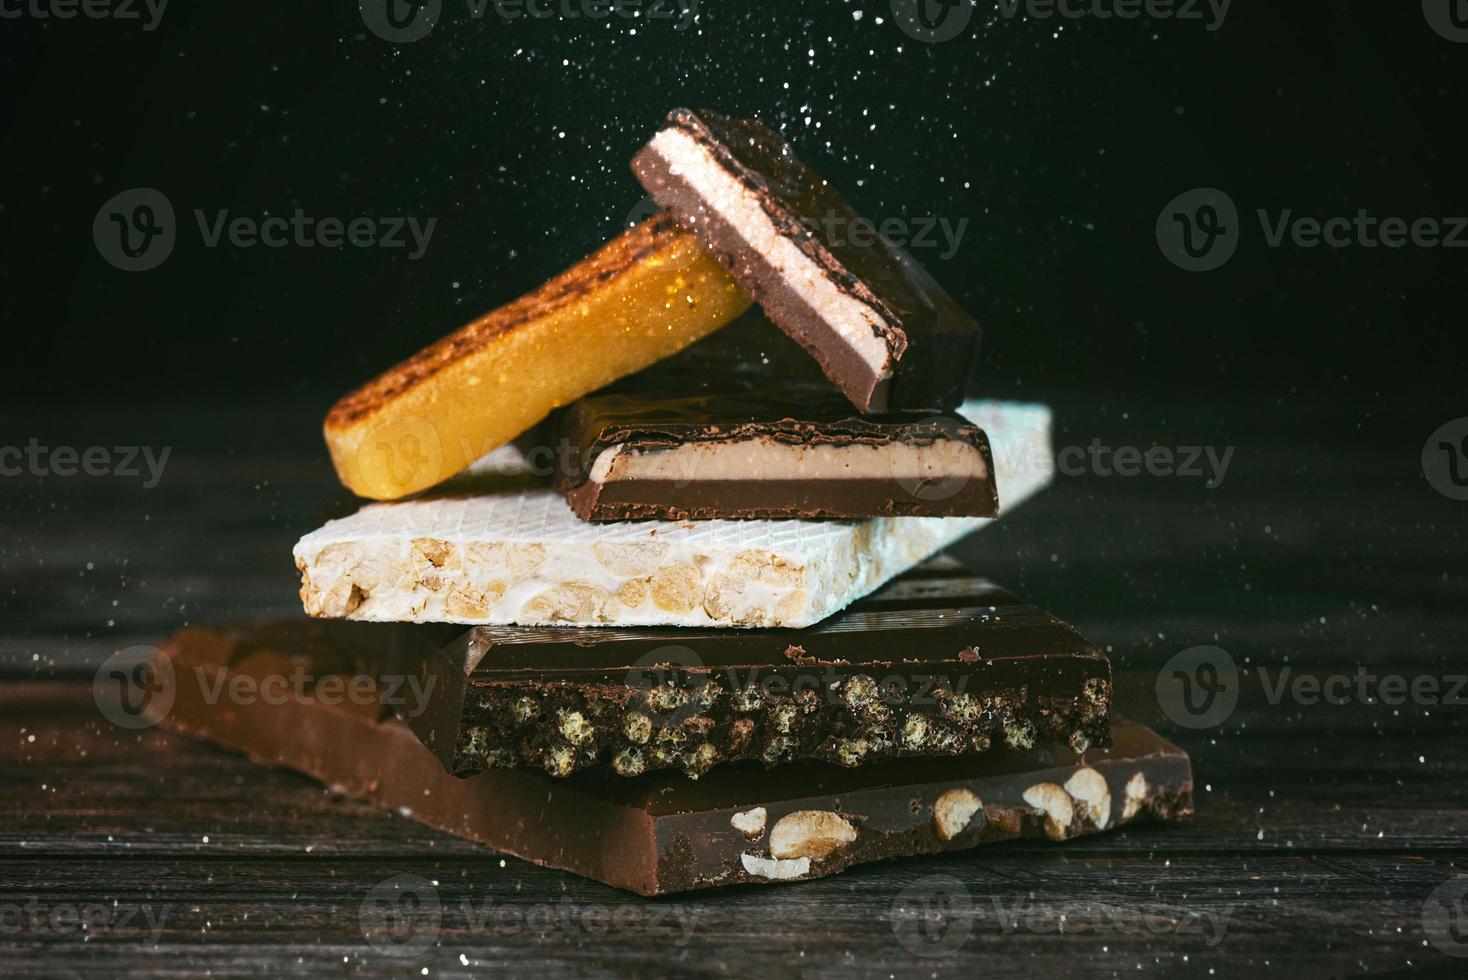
pixel 641 298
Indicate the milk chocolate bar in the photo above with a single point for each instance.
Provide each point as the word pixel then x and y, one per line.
pixel 656 834
pixel 937 663
pixel 644 296
pixel 769 450
pixel 523 557
pixel 880 326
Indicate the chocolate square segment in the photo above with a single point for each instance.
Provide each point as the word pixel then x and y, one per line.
pixel 768 451
pixel 879 325
pixel 939 663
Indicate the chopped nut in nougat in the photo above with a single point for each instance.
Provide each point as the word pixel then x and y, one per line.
pixel 501 550
pixel 574 602
pixel 676 589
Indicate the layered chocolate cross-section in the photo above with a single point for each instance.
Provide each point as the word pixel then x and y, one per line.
pixel 772 451
pixel 656 834
pixel 879 325
pixel 938 664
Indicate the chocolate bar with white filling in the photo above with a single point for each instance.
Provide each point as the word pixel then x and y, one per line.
pixel 523 557
pixel 767 449
pixel 879 325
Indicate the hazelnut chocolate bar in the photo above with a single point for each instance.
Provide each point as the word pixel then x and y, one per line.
pixel 660 833
pixel 646 295
pixel 879 325
pixel 938 663
pixel 522 557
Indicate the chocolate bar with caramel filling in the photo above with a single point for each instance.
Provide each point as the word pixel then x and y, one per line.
pixel 656 834
pixel 772 451
pixel 742 426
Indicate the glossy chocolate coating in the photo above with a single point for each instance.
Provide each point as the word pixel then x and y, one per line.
pixel 932 344
pixel 655 834
pixel 937 663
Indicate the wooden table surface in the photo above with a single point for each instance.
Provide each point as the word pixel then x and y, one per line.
pixel 1329 837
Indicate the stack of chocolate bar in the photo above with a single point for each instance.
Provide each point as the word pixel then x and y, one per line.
pixel 650 593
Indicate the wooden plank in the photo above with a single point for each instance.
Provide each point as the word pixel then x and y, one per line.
pixel 1011 914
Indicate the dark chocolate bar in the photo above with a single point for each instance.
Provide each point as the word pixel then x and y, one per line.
pixel 879 325
pixel 927 666
pixel 768 451
pixel 656 834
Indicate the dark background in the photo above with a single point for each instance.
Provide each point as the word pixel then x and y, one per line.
pixel 1059 149
pixel 1058 141
pixel 1328 832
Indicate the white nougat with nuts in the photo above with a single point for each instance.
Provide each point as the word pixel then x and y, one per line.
pixel 522 557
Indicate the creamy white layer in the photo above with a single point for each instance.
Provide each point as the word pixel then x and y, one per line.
pixel 857 323
pixel 770 459
pixel 522 557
